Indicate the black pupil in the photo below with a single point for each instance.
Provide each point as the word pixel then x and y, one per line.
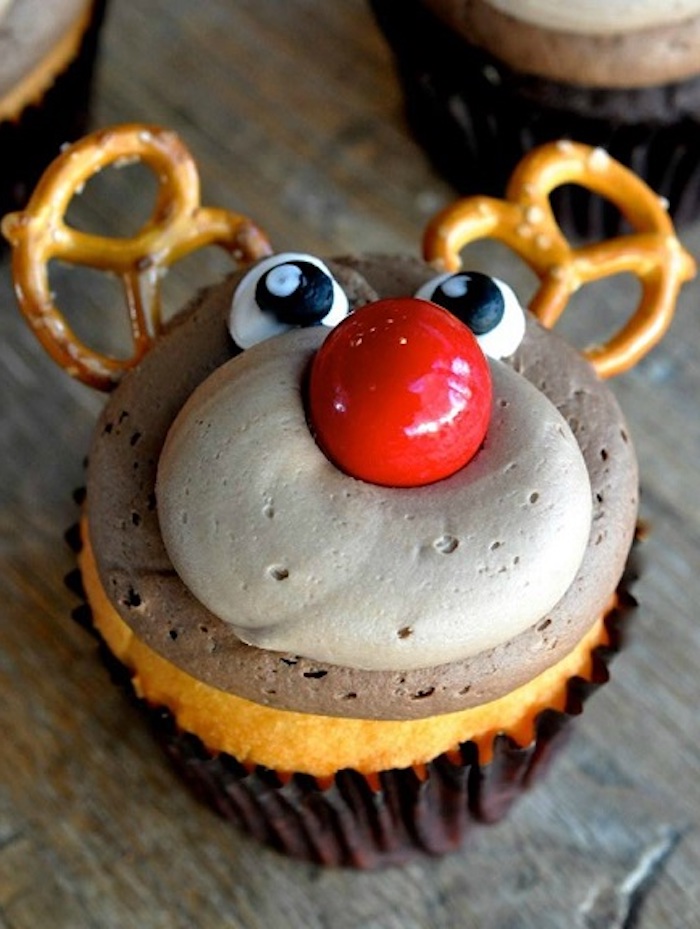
pixel 296 293
pixel 474 298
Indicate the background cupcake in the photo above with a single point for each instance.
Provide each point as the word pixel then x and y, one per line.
pixel 47 55
pixel 485 80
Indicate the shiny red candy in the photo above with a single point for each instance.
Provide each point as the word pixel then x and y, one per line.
pixel 400 394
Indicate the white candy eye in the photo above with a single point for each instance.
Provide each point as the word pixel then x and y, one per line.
pixel 488 306
pixel 282 292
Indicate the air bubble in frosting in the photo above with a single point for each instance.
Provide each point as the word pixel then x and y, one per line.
pixel 446 544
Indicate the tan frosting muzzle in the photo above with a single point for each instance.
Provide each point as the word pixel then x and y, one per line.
pixel 277 561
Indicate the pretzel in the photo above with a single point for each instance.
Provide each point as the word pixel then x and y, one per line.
pixel 178 226
pixel 524 221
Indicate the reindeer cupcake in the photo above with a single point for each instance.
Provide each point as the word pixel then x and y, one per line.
pixel 355 529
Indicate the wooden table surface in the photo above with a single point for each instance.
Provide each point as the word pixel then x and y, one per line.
pixel 295 118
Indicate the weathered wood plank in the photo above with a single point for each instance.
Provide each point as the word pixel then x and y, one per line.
pixel 294 115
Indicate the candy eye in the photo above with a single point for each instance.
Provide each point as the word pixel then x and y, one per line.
pixel 488 306
pixel 282 292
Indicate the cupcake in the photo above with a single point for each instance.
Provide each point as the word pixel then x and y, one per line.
pixel 364 556
pixel 47 54
pixel 486 80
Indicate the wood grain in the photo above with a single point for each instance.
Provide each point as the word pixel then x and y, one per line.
pixel 294 115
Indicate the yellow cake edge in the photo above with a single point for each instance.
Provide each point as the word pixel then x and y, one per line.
pixel 291 742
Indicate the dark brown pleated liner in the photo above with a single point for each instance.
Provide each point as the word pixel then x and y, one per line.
pixel 29 143
pixel 347 821
pixel 476 119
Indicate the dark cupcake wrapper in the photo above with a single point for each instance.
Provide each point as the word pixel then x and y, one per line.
pixel 32 140
pixel 352 820
pixel 476 119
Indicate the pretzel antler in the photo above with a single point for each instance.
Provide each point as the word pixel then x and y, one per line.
pixel 178 226
pixel 525 222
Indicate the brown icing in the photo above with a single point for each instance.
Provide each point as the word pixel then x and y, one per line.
pixel 141 582
pixel 642 57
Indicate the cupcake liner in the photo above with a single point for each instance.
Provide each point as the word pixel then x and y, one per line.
pixel 358 821
pixel 29 143
pixel 476 119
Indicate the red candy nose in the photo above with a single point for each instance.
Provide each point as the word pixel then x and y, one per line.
pixel 400 394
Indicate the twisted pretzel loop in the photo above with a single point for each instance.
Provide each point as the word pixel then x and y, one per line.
pixel 177 226
pixel 524 221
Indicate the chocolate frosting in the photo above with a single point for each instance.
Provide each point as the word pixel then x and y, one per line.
pixel 148 594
